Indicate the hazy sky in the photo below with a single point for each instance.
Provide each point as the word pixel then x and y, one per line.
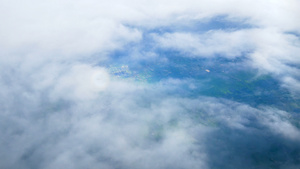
pixel 61 107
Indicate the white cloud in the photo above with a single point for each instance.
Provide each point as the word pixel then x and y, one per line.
pixel 132 129
pixel 88 26
pixel 210 44
pixel 81 82
pixel 60 110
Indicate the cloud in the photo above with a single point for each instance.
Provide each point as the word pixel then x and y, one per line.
pixel 141 128
pixel 81 82
pixel 125 125
pixel 210 44
pixel 61 108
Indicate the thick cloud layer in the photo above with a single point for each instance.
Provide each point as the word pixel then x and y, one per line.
pixel 142 128
pixel 61 106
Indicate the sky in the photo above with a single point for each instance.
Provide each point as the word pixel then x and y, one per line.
pixel 127 84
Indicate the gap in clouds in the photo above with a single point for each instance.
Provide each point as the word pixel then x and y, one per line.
pixel 230 78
